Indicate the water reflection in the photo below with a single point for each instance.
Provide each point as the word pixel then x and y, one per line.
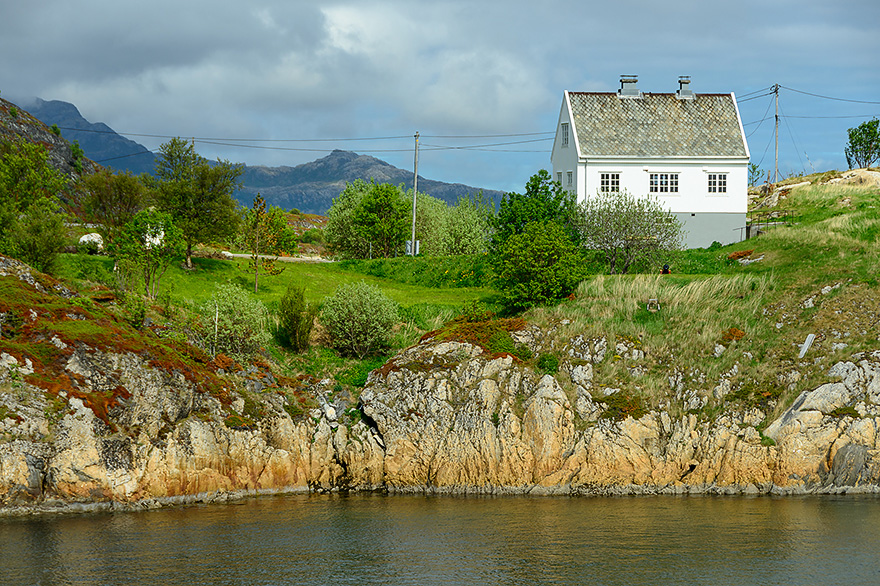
pixel 445 540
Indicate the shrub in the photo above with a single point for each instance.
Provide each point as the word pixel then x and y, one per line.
pixel 359 318
pixel 295 319
pixel 548 363
pixel 536 267
pixel 234 323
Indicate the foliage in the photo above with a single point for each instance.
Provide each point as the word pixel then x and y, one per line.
pixel 342 237
pixel 435 272
pixel 197 194
pixel 381 219
pixel 630 230
pixel 27 179
pixel 755 174
pixel 39 234
pixel 78 154
pixel 262 235
pixel 295 318
pixel 469 226
pixel 234 323
pixel 544 200
pixel 536 267
pixel 481 329
pixel 151 242
pixel 111 200
pixel 548 363
pixel 863 146
pixel 359 318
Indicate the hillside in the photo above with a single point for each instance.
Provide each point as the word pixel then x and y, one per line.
pixel 309 187
pixel 16 123
pixel 714 392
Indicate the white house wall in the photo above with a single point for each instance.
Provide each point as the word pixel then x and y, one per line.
pixel 564 158
pixel 693 194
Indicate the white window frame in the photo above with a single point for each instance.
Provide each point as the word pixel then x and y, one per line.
pixel 665 183
pixel 564 132
pixel 717 183
pixel 609 182
pixel 569 177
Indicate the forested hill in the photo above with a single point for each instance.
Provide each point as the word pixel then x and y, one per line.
pixel 309 187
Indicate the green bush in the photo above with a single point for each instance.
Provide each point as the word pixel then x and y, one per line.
pixel 536 267
pixel 234 323
pixel 359 318
pixel 39 234
pixel 548 363
pixel 295 319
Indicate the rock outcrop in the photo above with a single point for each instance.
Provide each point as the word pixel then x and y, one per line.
pixel 438 418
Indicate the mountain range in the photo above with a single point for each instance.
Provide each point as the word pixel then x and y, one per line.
pixel 309 187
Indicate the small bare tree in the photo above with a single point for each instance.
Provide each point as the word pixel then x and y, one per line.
pixel 630 230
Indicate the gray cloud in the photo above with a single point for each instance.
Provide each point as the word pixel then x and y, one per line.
pixel 301 70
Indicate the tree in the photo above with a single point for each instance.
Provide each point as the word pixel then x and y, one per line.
pixel 628 229
pixel 342 237
pixel 863 148
pixel 111 200
pixel 359 317
pixel 544 200
pixel 755 174
pixel 537 266
pixel 295 318
pixel 261 236
pixel 381 218
pixel 151 242
pixel 368 220
pixel 197 194
pixel 27 179
pixel 39 234
pixel 469 225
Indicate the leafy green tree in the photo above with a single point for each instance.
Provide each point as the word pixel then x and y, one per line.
pixel 863 148
pixel 343 239
pixel 469 225
pixel 262 235
pixel 536 266
pixel 629 230
pixel 151 242
pixel 197 194
pixel 359 318
pixel 39 234
pixel 368 220
pixel 27 179
pixel 381 219
pixel 234 323
pixel 295 318
pixel 544 200
pixel 111 200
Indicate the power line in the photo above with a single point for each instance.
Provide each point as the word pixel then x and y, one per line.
pixel 828 97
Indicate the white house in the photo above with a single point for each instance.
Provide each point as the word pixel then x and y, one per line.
pixel 689 150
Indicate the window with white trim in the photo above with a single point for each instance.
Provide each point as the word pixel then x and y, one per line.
pixel 717 182
pixel 568 177
pixel 564 131
pixel 663 183
pixel 609 182
pixel 559 177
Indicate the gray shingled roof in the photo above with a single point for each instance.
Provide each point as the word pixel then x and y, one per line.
pixel 656 125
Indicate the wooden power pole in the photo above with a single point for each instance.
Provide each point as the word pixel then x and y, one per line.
pixel 776 167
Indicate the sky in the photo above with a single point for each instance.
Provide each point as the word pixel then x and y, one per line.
pixel 284 82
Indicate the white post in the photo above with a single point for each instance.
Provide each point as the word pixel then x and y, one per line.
pixel 412 247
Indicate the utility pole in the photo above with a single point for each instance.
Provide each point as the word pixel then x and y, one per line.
pixel 776 168
pixel 412 246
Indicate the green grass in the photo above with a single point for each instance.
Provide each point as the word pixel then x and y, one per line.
pixel 319 279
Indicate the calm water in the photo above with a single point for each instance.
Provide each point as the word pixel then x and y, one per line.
pixel 446 540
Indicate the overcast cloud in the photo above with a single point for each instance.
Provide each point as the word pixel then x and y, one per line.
pixel 291 70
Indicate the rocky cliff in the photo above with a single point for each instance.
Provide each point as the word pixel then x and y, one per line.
pixel 84 421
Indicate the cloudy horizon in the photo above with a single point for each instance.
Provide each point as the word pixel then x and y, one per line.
pixel 482 82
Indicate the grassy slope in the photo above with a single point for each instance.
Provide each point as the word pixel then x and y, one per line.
pixel 774 302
